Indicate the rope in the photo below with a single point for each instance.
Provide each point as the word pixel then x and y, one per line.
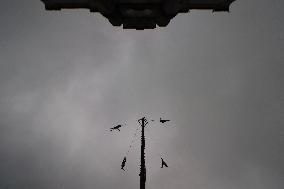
pixel 131 143
pixel 160 154
pixel 151 137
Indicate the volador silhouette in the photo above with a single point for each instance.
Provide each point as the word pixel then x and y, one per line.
pixel 163 163
pixel 116 128
pixel 164 120
pixel 123 163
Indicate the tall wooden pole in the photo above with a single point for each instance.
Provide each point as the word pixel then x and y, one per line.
pixel 142 174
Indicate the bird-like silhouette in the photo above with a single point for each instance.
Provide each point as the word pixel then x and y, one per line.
pixel 163 163
pixel 116 128
pixel 164 120
pixel 123 163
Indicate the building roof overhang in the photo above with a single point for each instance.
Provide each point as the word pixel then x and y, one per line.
pixel 139 14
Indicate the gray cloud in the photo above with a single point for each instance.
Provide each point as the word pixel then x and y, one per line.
pixel 67 77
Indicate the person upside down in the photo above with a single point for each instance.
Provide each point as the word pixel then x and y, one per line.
pixel 163 163
pixel 123 163
pixel 116 128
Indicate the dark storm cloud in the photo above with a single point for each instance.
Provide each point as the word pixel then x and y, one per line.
pixel 67 77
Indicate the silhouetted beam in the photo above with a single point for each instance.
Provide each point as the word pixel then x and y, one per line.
pixel 143 166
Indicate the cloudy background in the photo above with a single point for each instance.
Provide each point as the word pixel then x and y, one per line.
pixel 67 77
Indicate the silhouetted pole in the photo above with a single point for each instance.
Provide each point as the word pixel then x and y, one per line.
pixel 142 174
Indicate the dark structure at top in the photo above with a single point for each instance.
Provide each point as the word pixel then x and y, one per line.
pixel 139 14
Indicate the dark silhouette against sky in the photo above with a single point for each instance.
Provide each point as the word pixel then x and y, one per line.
pixel 137 14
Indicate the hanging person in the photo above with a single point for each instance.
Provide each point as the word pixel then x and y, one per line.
pixel 164 120
pixel 123 163
pixel 116 128
pixel 163 163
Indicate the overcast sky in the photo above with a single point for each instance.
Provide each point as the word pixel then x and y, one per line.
pixel 67 77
